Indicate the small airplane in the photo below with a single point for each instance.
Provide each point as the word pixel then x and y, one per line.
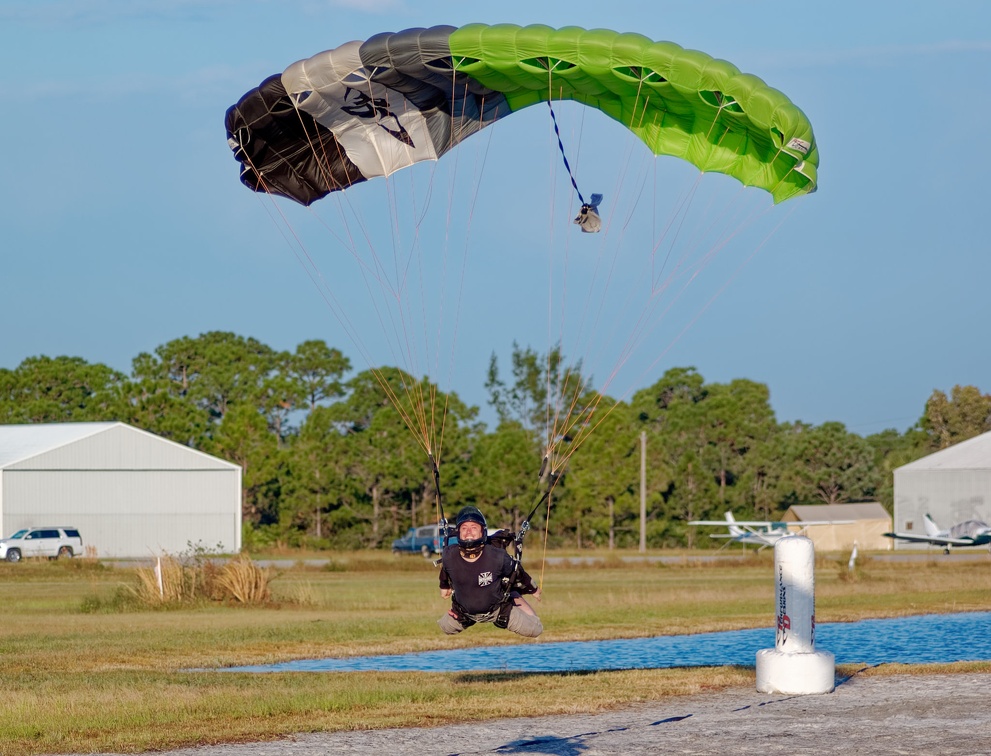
pixel 761 533
pixel 966 533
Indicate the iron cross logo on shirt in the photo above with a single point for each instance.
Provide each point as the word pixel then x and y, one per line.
pixel 485 578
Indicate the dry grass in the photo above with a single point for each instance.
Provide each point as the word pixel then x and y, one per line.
pixel 115 680
pixel 166 583
pixel 174 581
pixel 161 711
pixel 244 581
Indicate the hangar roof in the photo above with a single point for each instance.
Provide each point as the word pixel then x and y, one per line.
pixel 866 510
pixel 972 454
pixel 19 442
pixel 42 445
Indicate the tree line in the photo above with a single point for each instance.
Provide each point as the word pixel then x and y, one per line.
pixel 328 460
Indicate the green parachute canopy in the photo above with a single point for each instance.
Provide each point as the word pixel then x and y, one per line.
pixel 367 109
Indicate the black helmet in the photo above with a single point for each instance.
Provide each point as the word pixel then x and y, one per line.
pixel 470 514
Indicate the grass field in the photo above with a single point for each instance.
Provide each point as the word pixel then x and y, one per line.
pixel 85 669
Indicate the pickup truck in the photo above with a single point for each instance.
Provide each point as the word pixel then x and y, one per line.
pixel 425 540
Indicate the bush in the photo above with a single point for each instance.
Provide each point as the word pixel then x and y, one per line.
pixel 244 581
pixel 196 576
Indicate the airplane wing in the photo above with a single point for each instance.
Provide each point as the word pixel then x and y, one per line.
pixel 935 540
pixel 763 533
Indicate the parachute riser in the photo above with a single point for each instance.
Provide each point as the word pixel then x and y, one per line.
pixel 551 479
pixel 442 519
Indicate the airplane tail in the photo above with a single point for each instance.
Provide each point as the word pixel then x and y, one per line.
pixel 932 529
pixel 733 529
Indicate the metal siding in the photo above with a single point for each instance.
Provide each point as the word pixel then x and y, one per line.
pixel 237 497
pixel 121 447
pixel 948 496
pixel 867 534
pixel 130 513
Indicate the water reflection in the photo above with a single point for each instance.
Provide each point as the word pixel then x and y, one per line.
pixel 909 640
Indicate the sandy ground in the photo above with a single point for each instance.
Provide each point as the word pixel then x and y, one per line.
pixel 899 714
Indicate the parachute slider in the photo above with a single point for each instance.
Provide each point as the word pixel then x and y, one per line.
pixel 588 217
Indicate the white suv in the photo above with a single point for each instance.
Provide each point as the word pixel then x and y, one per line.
pixel 51 542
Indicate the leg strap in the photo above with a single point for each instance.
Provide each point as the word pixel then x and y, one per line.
pixel 502 621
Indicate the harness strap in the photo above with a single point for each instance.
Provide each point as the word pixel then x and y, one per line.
pixel 505 609
pixel 467 619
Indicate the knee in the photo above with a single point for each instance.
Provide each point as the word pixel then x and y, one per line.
pixel 450 625
pixel 533 628
pixel 527 625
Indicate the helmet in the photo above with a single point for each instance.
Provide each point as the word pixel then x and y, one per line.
pixel 470 514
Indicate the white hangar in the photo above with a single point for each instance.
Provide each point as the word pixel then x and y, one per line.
pixel 130 492
pixel 951 486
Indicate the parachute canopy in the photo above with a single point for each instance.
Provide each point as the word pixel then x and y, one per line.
pixel 368 109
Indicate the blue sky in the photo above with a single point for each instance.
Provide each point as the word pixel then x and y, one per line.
pixel 124 225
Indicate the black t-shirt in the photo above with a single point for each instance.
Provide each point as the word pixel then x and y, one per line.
pixel 477 585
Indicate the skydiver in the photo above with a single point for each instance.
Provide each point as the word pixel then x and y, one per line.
pixel 484 583
pixel 588 217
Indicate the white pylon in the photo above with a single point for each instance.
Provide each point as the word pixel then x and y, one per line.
pixel 794 666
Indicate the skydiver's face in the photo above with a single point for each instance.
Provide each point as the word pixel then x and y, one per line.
pixel 470 531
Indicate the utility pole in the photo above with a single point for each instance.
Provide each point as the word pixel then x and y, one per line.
pixel 643 491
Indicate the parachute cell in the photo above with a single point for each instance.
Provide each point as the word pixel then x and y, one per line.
pixel 275 145
pixel 367 109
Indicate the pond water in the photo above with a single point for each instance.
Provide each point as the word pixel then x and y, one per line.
pixel 908 640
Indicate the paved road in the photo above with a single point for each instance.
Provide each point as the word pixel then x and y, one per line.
pixel 881 716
